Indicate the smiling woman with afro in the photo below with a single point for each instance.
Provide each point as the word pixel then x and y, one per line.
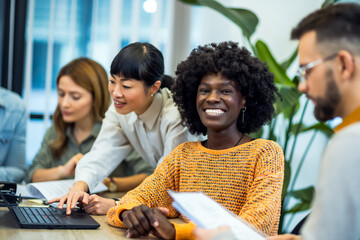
pixel 252 76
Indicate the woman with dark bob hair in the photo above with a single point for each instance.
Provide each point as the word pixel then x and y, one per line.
pixel 142 117
pixel 225 93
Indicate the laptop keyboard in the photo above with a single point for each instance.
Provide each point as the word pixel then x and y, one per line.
pixel 38 215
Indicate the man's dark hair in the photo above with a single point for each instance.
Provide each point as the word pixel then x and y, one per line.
pixel 252 77
pixel 338 24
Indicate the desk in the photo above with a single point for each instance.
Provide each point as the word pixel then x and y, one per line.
pixel 9 229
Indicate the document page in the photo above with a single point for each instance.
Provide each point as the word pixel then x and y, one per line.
pixel 51 189
pixel 207 213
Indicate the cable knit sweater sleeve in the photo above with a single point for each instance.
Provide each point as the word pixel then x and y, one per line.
pixel 152 192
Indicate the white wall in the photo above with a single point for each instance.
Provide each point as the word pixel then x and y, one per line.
pixel 276 19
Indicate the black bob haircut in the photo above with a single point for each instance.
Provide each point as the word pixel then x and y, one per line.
pixel 252 76
pixel 140 61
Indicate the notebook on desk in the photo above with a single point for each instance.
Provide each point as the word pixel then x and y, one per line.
pixel 52 218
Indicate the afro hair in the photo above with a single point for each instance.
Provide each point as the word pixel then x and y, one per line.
pixel 252 76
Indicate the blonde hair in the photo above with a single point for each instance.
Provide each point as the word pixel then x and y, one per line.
pixel 91 76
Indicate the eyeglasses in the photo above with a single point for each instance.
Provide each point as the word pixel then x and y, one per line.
pixel 305 70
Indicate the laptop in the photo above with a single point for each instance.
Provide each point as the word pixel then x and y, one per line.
pixel 43 217
pixel 52 218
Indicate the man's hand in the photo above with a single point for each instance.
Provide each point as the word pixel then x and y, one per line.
pixel 285 237
pixel 77 193
pixel 98 205
pixel 142 220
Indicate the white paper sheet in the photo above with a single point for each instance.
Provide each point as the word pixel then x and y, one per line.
pixel 51 189
pixel 208 214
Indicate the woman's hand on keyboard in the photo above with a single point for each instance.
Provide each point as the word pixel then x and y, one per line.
pixel 77 193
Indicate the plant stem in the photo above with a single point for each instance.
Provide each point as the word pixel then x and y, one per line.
pixel 286 199
pixel 271 128
pixel 289 129
pixel 297 130
pixel 252 46
pixel 290 220
pixel 297 174
pixel 302 160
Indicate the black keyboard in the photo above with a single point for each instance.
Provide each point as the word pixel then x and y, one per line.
pixel 38 215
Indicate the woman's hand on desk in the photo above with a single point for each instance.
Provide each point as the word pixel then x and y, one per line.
pixel 77 193
pixel 142 220
pixel 98 205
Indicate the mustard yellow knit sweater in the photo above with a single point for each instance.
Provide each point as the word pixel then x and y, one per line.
pixel 246 179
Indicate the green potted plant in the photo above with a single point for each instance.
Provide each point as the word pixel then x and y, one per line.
pixel 286 108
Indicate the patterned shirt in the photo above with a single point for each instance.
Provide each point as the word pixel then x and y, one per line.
pixel 246 179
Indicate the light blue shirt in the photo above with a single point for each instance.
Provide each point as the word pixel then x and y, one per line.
pixel 12 136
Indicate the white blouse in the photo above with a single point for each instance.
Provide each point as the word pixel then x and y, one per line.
pixel 153 134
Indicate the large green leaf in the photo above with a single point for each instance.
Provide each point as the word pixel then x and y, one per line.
pixel 299 207
pixel 245 19
pixel 279 73
pixel 290 111
pixel 290 97
pixel 286 64
pixel 320 126
pixel 304 195
pixel 328 2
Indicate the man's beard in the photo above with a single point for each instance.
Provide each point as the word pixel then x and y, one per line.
pixel 325 107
